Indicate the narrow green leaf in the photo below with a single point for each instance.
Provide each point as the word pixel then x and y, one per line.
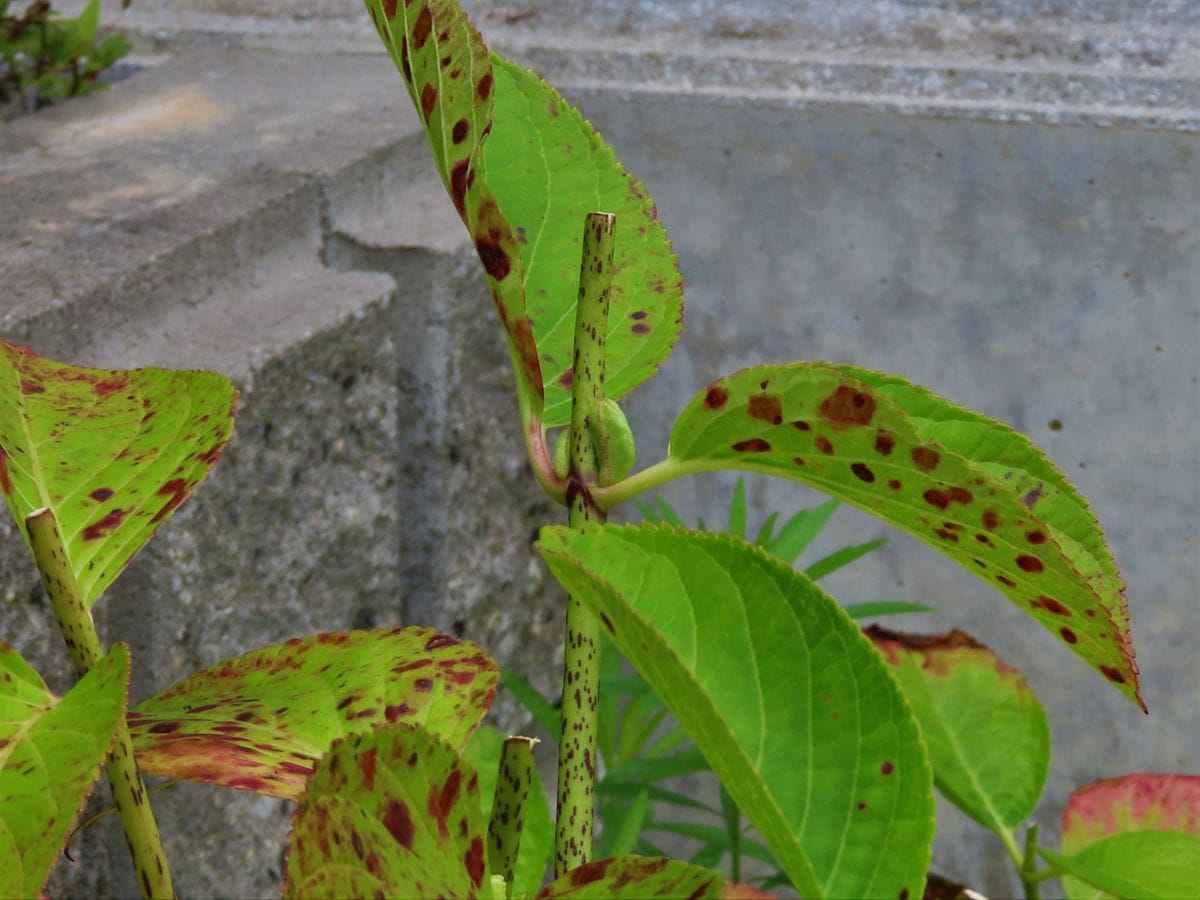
pixel 840 559
pixel 1156 865
pixel 987 735
pixel 261 721
pixel 50 756
pixel 717 836
pixel 1130 803
pixel 549 168
pixel 668 513
pixel 952 478
pixel 795 712
pixel 628 790
pixel 545 713
pixel 111 453
pixel 650 768
pixel 766 531
pixel 647 513
pixel 394 811
pixel 874 608
pixel 537 837
pixel 635 878
pixel 450 78
pixel 737 510
pixel 625 830
pixel 800 530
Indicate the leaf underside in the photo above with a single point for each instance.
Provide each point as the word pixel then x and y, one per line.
pixel 987 736
pixel 111 453
pixel 261 721
pixel 793 709
pixel 523 168
pixel 910 458
pixel 50 756
pixel 390 813
pixel 1149 865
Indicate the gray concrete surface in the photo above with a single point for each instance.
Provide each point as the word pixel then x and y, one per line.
pixel 998 200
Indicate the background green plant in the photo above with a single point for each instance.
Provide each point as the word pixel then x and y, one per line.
pixel 46 57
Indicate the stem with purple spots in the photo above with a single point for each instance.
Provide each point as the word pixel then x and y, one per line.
pixel 83 646
pixel 581 654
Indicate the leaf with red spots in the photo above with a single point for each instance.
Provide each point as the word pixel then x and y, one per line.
pixel 986 732
pixel 50 755
pixel 535 833
pixel 1129 805
pixel 966 485
pixel 111 453
pixel 549 168
pixel 391 813
pixel 635 877
pixel 449 75
pixel 786 698
pixel 260 722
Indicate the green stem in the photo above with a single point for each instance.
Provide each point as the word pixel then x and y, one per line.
pixel 1029 870
pixel 83 647
pixel 581 653
pixel 733 827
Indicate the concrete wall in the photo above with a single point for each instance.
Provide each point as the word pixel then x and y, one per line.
pixel 1021 236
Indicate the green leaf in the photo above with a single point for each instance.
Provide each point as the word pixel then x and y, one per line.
pixel 1137 802
pixel 261 721
pixel 111 453
pixel 622 824
pixel 651 768
pixel 717 836
pixel 1156 865
pixel 800 530
pixel 549 168
pixel 635 878
pixel 668 513
pixel 737 510
pixel 450 78
pixel 537 838
pixel 629 790
pixel 766 530
pixel 840 559
pixel 393 812
pixel 873 608
pixel 793 709
pixel 79 32
pixel 986 733
pixel 50 756
pixel 545 713
pixel 966 485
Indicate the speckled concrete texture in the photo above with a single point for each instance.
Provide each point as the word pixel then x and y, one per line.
pixel 999 200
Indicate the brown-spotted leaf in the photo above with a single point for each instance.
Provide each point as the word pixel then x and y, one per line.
pixel 549 168
pixel 51 749
pixel 261 721
pixel 635 877
pixel 828 427
pixel 392 813
pixel 446 67
pixel 987 735
pixel 111 453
